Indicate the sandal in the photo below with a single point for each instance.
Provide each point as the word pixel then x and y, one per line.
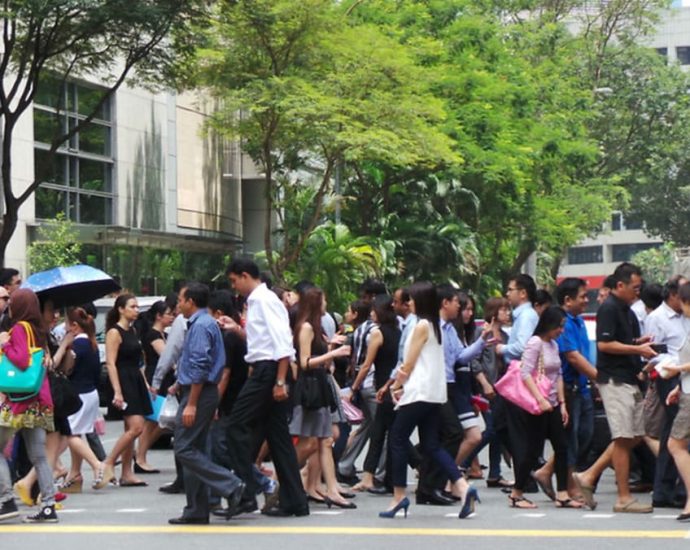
pixel 516 502
pixel 105 475
pixel 72 485
pixel 568 503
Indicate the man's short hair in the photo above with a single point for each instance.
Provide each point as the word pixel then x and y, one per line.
pixel 445 291
pixel 7 274
pixel 404 294
pixel 671 286
pixel 569 288
pixel 243 265
pixel 609 282
pixel 652 295
pixel 223 301
pixel 526 283
pixel 372 287
pixel 198 293
pixel 625 271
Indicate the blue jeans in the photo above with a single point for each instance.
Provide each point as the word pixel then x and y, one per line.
pixel 425 417
pixel 580 429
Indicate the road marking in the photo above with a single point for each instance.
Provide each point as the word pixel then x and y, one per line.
pixel 343 530
pixel 597 516
pixel 72 510
pixel 530 515
pixel 130 510
pixel 664 516
pixel 325 513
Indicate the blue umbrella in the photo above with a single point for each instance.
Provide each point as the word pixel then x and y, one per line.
pixel 71 286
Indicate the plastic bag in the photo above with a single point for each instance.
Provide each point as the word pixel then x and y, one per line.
pixel 168 414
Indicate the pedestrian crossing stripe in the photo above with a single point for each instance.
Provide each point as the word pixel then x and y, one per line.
pixel 342 530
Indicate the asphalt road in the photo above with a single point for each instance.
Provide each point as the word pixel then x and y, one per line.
pixel 121 518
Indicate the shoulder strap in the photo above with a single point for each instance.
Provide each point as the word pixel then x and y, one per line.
pixel 29 334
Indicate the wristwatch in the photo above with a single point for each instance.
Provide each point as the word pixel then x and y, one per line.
pixel 280 383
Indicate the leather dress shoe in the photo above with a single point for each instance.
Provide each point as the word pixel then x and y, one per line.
pixel 171 488
pixel 188 521
pixel 379 490
pixel 244 507
pixel 277 512
pixel 435 498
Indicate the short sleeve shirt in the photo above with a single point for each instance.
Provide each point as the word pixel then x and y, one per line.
pixel 574 338
pixel 616 322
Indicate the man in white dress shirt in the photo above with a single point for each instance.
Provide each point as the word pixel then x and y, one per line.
pixel 260 411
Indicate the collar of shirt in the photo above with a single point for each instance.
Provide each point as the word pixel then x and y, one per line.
pixel 518 310
pixel 198 313
pixel 670 313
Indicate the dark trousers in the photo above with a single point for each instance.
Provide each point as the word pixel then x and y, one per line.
pixel 191 445
pixel 432 474
pixel 256 416
pixel 667 487
pixel 426 417
pixel 527 435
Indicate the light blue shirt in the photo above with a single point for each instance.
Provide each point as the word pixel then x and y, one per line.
pixel 525 320
pixel 455 352
pixel 171 352
pixel 203 353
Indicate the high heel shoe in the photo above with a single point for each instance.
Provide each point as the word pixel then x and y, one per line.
pixel 404 504
pixel 468 506
pixel 344 505
pixel 73 485
pixel 60 476
pixel 105 475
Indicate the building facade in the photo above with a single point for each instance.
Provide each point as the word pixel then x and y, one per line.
pixel 148 188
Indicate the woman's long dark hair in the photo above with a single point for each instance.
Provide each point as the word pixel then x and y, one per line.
pixel 113 315
pixel 24 306
pixel 85 322
pixel 550 319
pixel 310 310
pixel 426 305
pixel 383 307
pixel 466 330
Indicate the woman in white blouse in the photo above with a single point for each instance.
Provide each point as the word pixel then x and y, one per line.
pixel 420 391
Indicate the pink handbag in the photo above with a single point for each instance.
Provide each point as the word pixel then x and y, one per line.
pixel 353 414
pixel 512 388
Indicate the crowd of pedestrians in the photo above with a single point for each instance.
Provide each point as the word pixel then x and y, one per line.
pixel 263 371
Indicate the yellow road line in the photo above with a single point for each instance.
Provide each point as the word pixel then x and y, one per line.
pixel 361 531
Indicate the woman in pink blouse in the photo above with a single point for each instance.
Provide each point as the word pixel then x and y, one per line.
pixel 529 431
pixel 33 416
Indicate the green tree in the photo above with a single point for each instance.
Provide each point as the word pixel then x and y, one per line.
pixel 656 263
pixel 314 91
pixel 56 245
pixel 44 42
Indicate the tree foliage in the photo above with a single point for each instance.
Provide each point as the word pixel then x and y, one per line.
pixel 59 40
pixel 56 246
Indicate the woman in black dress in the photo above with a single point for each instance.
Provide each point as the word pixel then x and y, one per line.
pixel 160 316
pixel 123 358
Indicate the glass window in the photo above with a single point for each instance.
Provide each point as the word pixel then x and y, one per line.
pixel 586 255
pixel 633 223
pixel 662 51
pixel 616 220
pixel 623 252
pixel 75 181
pixel 50 202
pixel 95 138
pixel 683 55
pixel 94 175
pixel 94 209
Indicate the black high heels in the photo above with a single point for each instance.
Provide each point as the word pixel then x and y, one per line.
pixel 344 505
